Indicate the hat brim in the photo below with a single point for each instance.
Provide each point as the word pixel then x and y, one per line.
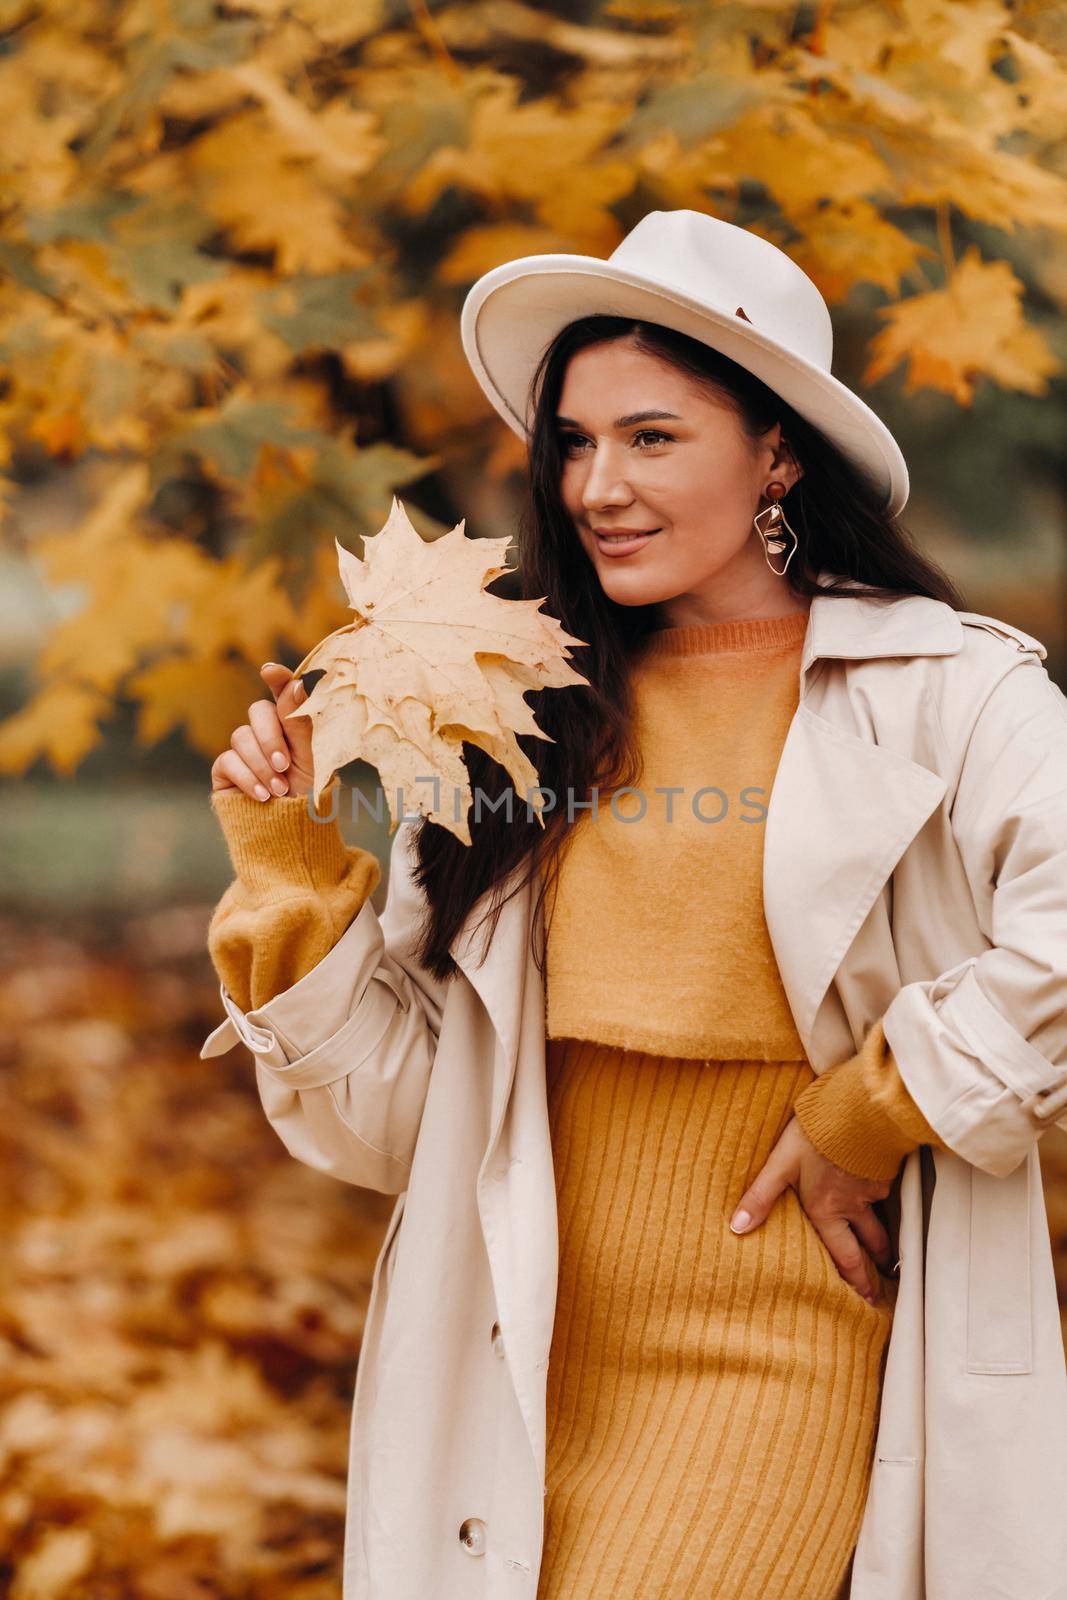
pixel 515 310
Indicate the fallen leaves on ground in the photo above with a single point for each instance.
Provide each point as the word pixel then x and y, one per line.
pixel 183 1302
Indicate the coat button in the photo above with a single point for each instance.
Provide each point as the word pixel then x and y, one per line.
pixel 498 1340
pixel 472 1536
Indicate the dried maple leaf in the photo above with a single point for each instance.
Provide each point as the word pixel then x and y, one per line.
pixel 431 661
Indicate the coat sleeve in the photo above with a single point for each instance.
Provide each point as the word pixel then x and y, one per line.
pixel 982 1048
pixel 860 1115
pixel 343 1055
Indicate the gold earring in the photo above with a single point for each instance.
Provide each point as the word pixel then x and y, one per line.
pixel 774 530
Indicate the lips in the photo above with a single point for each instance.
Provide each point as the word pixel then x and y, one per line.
pixel 611 533
pixel 624 541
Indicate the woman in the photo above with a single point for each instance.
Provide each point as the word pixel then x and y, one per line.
pixel 712 1391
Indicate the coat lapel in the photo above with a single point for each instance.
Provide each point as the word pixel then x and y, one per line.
pixel 842 812
pixel 842 809
pixel 496 978
pixel 501 979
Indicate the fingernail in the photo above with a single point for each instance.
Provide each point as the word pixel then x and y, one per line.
pixel 740 1221
pixel 261 793
pixel 279 760
pixel 299 692
pixel 268 664
pixel 279 786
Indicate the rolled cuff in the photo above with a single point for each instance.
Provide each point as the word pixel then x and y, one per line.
pixel 860 1115
pixel 281 843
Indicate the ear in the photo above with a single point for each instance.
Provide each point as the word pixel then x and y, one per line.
pixel 785 466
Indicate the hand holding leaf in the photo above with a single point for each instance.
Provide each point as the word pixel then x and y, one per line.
pixel 430 661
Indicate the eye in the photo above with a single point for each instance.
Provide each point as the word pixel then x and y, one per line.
pixel 568 439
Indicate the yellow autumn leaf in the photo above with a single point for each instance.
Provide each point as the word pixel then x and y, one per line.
pixel 403 331
pixel 227 311
pixel 61 1557
pixel 952 336
pixel 852 243
pixel 141 594
pixel 430 662
pixel 36 162
pixel 341 23
pixel 198 695
pixel 341 137
pixel 996 185
pixel 489 244
pixel 245 611
pixel 533 151
pixel 682 177
pixel 60 724
pixel 822 165
pixel 269 196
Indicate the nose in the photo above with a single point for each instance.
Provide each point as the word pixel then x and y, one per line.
pixel 605 484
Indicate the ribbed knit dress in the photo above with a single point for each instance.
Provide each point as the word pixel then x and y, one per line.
pixel 712 1397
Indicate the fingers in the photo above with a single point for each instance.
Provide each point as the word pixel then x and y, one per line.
pixel 258 761
pixel 849 1256
pixel 230 771
pixel 246 741
pixel 275 676
pixel 267 727
pixel 836 1203
pixel 775 1175
pixel 872 1234
pixel 290 695
pixel 270 754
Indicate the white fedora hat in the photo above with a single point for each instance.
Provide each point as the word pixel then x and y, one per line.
pixel 720 284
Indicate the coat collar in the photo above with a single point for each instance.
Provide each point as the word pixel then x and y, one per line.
pixel 858 627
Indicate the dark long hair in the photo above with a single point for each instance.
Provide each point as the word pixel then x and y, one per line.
pixel 841 527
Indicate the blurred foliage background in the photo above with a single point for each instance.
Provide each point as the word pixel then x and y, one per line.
pixel 235 241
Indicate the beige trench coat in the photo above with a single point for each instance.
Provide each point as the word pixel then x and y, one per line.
pixel 915 865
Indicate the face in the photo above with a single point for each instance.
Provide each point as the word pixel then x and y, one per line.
pixel 644 447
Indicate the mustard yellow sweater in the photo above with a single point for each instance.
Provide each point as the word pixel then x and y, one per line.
pixel 712 707
pixel 298 886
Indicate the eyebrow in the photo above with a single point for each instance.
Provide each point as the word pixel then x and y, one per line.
pixel 627 422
